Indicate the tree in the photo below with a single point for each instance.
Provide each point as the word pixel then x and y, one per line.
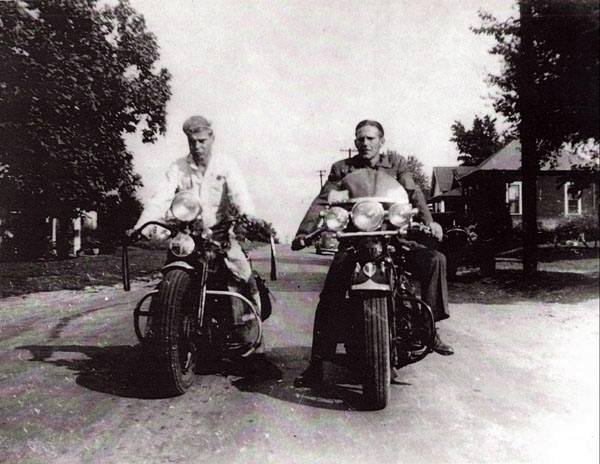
pixel 478 143
pixel 118 214
pixel 415 167
pixel 548 89
pixel 76 78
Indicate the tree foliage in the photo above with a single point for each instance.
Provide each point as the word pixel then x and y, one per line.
pixel 76 78
pixel 564 71
pixel 479 142
pixel 415 167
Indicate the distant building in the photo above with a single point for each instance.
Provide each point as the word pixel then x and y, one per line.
pixel 495 186
pixel 563 190
pixel 446 193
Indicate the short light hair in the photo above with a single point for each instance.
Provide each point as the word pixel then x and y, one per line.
pixel 370 122
pixel 195 124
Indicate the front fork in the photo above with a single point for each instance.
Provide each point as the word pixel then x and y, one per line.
pixel 378 276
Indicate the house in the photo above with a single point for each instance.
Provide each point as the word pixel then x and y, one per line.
pixel 34 236
pixel 446 193
pixel 563 190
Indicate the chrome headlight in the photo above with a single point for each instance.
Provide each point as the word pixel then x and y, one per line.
pixel 336 218
pixel 399 214
pixel 182 245
pixel 367 215
pixel 186 206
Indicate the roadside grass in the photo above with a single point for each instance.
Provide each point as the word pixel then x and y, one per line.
pixel 73 274
pixel 19 278
pixel 568 258
pixel 508 286
pixel 566 275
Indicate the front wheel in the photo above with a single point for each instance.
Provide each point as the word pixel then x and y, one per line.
pixel 174 328
pixel 377 369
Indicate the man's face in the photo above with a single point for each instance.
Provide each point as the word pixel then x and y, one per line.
pixel 368 142
pixel 201 145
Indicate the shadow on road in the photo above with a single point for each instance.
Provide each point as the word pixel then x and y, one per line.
pixel 116 370
pixel 298 282
pixel 509 286
pixel 300 259
pixel 122 371
pixel 341 390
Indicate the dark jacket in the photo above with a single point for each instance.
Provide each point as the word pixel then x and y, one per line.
pixel 394 165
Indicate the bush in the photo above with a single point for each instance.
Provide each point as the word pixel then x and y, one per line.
pixel 567 228
pixel 572 227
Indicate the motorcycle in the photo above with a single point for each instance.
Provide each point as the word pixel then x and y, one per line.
pixel 464 246
pixel 385 324
pixel 193 317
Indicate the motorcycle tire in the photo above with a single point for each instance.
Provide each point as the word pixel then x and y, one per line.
pixel 377 368
pixel 174 326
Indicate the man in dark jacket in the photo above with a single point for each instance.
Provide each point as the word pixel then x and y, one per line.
pixel 428 266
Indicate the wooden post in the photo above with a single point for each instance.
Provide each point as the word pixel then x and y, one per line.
pixel 529 156
pixel 273 260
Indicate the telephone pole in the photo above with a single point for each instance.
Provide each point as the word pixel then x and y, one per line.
pixel 321 174
pixel 349 150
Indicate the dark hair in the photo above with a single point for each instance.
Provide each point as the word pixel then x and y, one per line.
pixel 370 122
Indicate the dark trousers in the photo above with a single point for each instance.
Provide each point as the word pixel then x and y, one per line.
pixel 426 265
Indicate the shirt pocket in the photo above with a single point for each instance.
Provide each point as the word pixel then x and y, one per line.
pixel 217 190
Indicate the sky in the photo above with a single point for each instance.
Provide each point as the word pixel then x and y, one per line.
pixel 285 82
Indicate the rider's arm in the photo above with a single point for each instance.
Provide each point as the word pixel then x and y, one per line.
pixel 311 219
pixel 237 190
pixel 416 198
pixel 159 204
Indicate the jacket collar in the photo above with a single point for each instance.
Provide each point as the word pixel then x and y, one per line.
pixel 383 162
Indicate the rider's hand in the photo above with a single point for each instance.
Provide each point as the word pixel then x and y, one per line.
pixel 298 243
pixel 156 233
pixel 436 231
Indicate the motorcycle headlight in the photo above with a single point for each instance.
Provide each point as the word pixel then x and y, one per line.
pixel 399 214
pixel 367 215
pixel 186 206
pixel 336 218
pixel 182 245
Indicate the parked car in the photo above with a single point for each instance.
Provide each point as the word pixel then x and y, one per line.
pixel 326 243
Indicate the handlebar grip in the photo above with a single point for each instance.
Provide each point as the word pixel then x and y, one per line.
pixel 308 239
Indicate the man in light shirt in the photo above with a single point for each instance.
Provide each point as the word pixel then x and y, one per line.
pixel 219 184
pixel 217 181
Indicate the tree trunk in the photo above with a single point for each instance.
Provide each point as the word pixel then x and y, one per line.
pixel 529 155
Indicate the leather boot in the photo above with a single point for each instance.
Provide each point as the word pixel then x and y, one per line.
pixel 440 347
pixel 312 376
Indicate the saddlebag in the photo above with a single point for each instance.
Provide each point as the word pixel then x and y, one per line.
pixel 265 297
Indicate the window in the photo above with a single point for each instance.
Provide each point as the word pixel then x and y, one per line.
pixel 572 199
pixel 513 197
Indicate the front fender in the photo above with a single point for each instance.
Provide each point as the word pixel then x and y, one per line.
pixel 371 277
pixel 178 265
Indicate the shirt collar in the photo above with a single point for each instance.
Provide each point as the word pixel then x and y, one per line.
pixel 383 162
pixel 192 164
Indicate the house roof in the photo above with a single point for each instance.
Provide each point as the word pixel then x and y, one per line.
pixel 509 159
pixel 444 177
pixel 455 192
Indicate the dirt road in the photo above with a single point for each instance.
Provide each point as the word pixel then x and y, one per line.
pixel 522 387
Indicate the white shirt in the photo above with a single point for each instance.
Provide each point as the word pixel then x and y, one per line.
pixel 221 184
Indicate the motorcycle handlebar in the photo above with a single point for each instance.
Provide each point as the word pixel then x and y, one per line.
pixel 306 240
pixel 136 235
